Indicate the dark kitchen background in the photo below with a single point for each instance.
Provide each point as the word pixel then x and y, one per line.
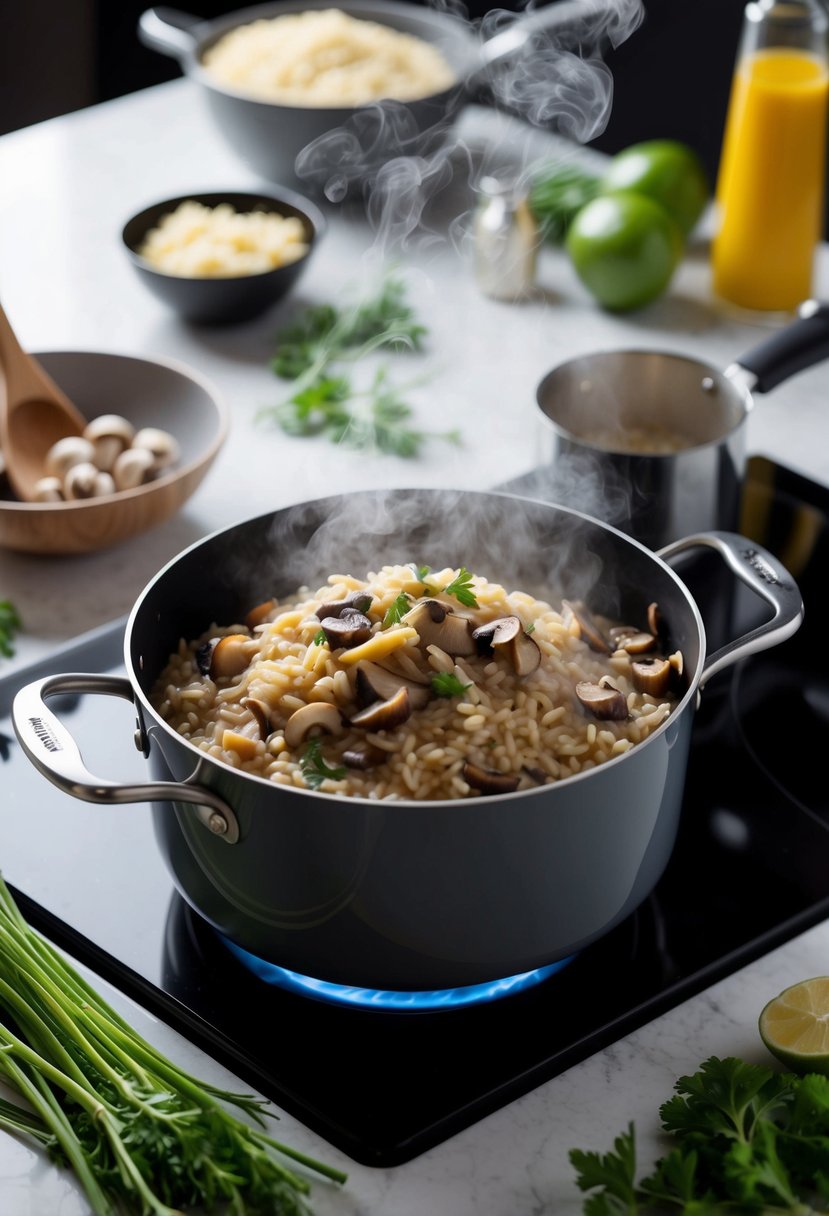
pixel 672 76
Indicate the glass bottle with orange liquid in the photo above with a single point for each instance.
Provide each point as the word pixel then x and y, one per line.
pixel 770 186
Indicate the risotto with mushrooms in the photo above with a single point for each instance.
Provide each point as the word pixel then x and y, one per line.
pixel 414 683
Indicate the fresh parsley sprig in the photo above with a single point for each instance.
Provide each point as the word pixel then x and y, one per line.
pixel 747 1140
pixel 460 587
pixel 447 684
pixel 397 609
pixel 10 622
pixel 313 766
pixel 315 352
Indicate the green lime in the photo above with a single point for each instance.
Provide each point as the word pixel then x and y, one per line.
pixel 624 248
pixel 795 1026
pixel 669 172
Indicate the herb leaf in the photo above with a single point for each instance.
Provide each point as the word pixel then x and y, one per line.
pixel 746 1139
pixel 313 766
pixel 421 573
pixel 557 194
pixel 396 610
pixel 615 1172
pixel 140 1134
pixel 320 637
pixel 447 684
pixel 312 351
pixel 9 624
pixel 461 588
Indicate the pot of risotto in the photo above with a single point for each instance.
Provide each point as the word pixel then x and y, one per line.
pixel 328 94
pixel 415 739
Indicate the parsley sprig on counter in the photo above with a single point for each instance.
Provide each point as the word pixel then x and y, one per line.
pixel 747 1140
pixel 316 351
pixel 9 624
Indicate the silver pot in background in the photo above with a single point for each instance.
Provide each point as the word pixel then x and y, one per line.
pixel 655 442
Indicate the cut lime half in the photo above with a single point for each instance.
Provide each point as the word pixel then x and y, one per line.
pixel 795 1026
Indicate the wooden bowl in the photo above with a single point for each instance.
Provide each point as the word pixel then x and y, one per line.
pixel 149 392
pixel 224 300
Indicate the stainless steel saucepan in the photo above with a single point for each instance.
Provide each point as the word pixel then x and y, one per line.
pixel 655 442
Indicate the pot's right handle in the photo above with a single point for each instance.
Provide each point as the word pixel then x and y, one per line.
pixel 55 754
pixel 762 572
pixel 791 350
pixel 169 31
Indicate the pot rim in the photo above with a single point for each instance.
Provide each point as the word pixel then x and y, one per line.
pixel 426 804
pixel 733 383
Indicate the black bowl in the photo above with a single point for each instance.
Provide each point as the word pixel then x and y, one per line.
pixel 223 301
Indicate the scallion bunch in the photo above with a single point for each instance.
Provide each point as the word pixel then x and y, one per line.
pixel 141 1135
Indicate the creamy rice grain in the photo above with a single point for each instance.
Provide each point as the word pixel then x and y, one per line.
pixel 195 241
pixel 529 728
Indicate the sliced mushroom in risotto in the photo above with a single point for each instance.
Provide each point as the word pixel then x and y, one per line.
pixel 396 686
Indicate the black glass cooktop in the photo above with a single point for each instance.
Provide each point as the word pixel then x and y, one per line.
pixel 750 870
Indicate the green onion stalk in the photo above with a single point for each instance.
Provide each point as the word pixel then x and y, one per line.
pixel 140 1134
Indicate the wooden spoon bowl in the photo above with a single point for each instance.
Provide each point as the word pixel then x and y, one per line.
pixel 34 413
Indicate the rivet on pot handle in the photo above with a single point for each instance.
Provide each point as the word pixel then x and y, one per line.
pixel 56 755
pixel 760 571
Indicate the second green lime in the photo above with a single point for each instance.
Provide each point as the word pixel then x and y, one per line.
pixel 669 172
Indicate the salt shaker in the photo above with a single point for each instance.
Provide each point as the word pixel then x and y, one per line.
pixel 506 240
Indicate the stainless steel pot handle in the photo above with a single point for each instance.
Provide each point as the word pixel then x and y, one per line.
pixel 760 571
pixel 168 31
pixel 55 754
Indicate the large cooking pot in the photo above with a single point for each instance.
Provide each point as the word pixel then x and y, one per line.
pixel 654 442
pixel 410 895
pixel 332 148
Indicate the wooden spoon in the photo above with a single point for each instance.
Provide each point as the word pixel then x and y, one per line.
pixel 34 414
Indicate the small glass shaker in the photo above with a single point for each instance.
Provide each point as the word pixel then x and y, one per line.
pixel 506 240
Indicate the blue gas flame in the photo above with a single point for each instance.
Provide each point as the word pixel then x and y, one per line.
pixel 390 1000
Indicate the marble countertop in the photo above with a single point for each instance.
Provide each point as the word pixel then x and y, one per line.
pixel 69 185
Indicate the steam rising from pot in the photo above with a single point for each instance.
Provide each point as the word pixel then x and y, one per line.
pixel 509 540
pixel 553 78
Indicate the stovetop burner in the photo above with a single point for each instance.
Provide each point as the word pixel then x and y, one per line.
pixel 391 1000
pixel 748 872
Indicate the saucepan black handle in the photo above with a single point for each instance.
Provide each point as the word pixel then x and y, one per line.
pixel 790 350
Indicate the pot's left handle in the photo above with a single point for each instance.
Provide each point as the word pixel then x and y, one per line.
pixel 169 31
pixel 54 753
pixel 764 575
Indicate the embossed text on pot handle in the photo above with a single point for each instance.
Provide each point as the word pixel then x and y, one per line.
pixel 55 754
